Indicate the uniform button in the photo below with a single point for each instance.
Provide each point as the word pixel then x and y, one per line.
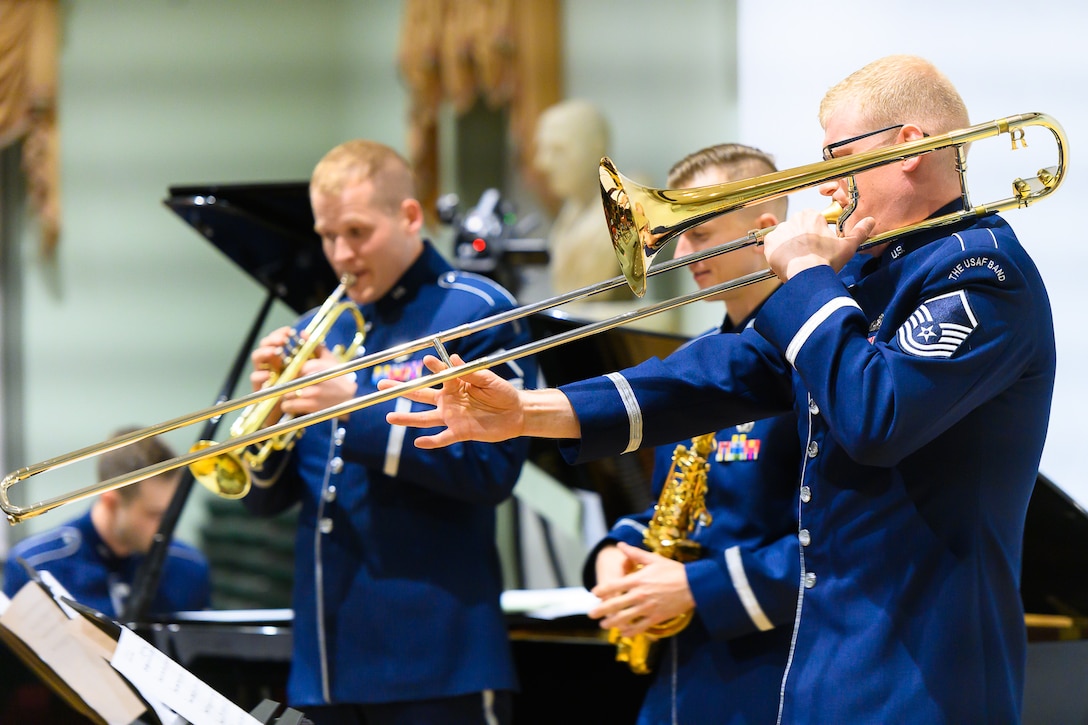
pixel 330 494
pixel 806 494
pixel 813 449
pixel 805 537
pixel 810 579
pixel 338 439
pixel 336 464
pixel 325 526
pixel 812 407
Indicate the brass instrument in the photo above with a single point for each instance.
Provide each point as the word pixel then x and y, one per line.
pixel 228 474
pixel 681 506
pixel 641 221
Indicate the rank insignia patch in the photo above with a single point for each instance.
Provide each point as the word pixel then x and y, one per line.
pixel 938 327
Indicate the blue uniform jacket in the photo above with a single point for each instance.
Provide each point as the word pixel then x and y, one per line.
pixel 923 395
pixel 77 557
pixel 726 666
pixel 397 577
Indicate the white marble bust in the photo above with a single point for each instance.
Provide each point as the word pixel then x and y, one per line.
pixel 571 138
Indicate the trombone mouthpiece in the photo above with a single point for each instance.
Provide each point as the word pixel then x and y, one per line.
pixel 832 212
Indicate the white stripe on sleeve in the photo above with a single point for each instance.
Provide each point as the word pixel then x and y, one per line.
pixel 735 565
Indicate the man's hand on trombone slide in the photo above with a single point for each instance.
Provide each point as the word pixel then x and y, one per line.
pixel 482 406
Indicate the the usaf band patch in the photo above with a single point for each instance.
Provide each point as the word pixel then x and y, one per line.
pixel 938 327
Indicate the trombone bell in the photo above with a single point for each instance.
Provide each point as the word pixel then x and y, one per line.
pixel 626 231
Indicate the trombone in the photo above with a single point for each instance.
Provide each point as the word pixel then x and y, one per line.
pixel 641 221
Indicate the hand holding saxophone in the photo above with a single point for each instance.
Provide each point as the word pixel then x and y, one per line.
pixel 653 589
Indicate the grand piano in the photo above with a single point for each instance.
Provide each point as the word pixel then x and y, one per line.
pixel 566 667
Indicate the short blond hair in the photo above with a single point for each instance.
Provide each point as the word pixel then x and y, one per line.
pixel 736 161
pixel 899 89
pixel 364 160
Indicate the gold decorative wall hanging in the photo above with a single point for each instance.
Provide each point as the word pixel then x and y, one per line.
pixel 502 52
pixel 28 100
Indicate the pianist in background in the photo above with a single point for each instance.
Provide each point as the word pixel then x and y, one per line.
pixel 922 393
pixel 726 665
pixel 96 556
pixel 397 576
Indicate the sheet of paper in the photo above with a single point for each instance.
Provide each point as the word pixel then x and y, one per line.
pixel 559 506
pixel 161 679
pixel 548 603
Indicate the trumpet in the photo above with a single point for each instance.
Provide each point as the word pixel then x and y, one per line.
pixel 641 221
pixel 228 474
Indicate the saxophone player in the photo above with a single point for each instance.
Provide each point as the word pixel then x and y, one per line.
pixel 726 665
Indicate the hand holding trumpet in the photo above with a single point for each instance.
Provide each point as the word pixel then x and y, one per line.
pixel 268 360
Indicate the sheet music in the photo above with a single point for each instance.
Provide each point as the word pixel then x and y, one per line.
pixel 159 678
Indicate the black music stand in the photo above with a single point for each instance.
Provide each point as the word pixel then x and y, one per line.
pixel 267 230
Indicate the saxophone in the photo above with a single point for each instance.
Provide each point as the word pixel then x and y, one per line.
pixel 680 507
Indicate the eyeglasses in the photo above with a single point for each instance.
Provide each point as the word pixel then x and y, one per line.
pixel 829 150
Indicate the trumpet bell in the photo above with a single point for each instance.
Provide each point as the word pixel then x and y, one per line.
pixel 223 474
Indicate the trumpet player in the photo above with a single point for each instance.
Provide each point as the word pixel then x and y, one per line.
pixel 726 665
pixel 910 518
pixel 397 578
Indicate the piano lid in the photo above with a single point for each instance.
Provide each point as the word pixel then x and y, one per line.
pixel 267 229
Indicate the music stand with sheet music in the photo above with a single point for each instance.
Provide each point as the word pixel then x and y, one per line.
pixel 108 674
